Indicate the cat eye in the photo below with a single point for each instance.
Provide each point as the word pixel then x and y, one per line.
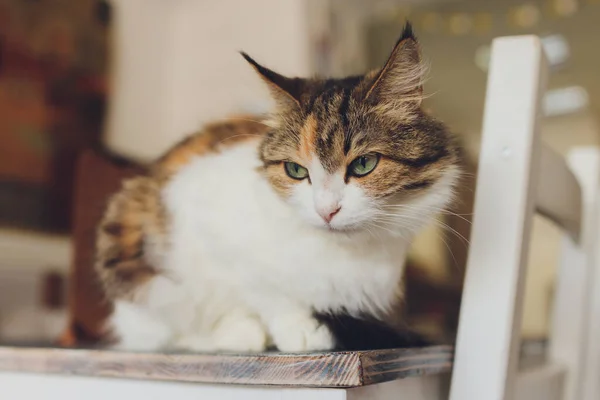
pixel 363 165
pixel 295 171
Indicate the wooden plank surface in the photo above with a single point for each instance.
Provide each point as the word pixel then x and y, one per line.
pixel 341 369
pixel 388 365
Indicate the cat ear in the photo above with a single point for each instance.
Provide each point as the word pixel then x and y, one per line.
pixel 398 86
pixel 285 91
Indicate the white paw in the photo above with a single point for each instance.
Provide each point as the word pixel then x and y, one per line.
pixel 194 343
pixel 234 333
pixel 240 335
pixel 301 333
pixel 136 329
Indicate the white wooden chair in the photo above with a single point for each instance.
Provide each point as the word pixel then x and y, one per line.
pixel 517 176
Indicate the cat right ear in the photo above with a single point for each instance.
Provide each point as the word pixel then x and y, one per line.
pixel 285 91
pixel 397 88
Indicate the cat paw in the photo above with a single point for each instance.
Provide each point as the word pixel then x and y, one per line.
pixel 134 329
pixel 235 333
pixel 194 343
pixel 301 333
pixel 240 333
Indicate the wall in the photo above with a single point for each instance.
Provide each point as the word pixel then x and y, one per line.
pixel 177 65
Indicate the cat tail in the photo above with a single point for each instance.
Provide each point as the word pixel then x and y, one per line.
pixel 353 333
pixel 133 219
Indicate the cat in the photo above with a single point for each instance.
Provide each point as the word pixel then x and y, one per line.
pixel 284 231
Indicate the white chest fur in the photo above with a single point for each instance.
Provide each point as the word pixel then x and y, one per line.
pixel 231 229
pixel 237 248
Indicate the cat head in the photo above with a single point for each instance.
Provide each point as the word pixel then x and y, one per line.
pixel 359 153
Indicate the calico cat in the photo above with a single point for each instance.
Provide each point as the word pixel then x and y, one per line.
pixel 284 232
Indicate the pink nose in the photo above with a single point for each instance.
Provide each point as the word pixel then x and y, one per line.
pixel 328 215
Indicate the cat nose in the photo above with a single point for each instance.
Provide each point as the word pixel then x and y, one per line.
pixel 328 213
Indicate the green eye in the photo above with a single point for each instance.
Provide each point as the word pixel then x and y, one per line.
pixel 363 165
pixel 295 171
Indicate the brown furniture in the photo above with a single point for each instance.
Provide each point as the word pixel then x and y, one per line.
pixel 98 176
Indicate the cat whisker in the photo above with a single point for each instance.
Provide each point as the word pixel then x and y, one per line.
pixel 373 233
pixel 440 236
pixel 449 250
pixel 454 231
pixel 379 222
pixel 387 229
pixel 431 208
pixel 441 224
pixel 396 223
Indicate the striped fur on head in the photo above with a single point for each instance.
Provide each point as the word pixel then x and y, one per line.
pixel 328 123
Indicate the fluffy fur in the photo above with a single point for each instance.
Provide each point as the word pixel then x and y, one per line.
pixel 219 249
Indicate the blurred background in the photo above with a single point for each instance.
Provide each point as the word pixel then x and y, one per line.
pixel 131 77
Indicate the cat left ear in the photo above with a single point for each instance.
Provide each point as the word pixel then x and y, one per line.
pixel 399 84
pixel 285 91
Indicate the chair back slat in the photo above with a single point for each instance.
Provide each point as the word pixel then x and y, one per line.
pixel 488 335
